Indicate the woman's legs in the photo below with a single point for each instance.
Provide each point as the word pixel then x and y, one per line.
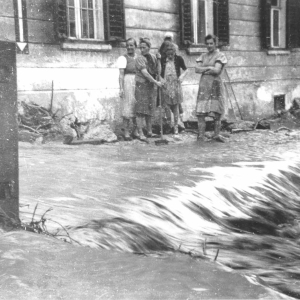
pixel 175 110
pixel 217 125
pixel 140 122
pixel 135 128
pixel 126 128
pixel 201 127
pixel 149 124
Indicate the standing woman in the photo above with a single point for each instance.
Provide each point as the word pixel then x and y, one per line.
pixel 126 65
pixel 211 94
pixel 145 87
pixel 171 72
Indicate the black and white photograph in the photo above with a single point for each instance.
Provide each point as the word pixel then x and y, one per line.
pixel 149 149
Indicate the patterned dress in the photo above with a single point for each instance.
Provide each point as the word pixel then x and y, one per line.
pixel 127 63
pixel 211 93
pixel 145 91
pixel 171 92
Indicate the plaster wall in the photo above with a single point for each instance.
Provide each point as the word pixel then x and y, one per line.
pixel 86 83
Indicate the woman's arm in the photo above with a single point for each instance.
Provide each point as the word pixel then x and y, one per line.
pixel 181 77
pixel 200 69
pixel 149 77
pixel 121 82
pixel 216 70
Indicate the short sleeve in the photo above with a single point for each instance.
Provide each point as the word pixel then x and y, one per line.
pixel 222 59
pixel 140 63
pixel 200 59
pixel 122 62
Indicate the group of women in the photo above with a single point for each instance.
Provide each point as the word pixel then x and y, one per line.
pixel 141 76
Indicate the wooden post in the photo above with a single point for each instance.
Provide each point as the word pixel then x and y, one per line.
pixel 9 175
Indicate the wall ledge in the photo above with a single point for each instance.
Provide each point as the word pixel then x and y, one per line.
pixel 278 52
pixel 196 50
pixel 83 46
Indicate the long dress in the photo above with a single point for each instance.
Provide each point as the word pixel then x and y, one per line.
pixel 127 63
pixel 211 93
pixel 145 91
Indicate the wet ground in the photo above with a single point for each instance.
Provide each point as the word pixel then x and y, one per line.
pixel 241 198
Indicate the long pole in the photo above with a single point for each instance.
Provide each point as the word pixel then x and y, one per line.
pixel 237 104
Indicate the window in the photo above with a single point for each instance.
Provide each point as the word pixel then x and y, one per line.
pixel 85 19
pixel 21 27
pixel 92 20
pixel 274 18
pixel 201 17
pixel 293 23
pixel 278 23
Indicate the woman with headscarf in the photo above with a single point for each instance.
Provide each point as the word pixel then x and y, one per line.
pixel 172 65
pixel 126 65
pixel 145 87
pixel 211 94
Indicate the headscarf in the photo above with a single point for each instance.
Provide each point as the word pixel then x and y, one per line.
pixel 146 41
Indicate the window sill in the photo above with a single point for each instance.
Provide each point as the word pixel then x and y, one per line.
pixel 278 52
pixel 196 49
pixel 85 46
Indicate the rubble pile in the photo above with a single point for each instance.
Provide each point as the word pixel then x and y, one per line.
pixel 37 123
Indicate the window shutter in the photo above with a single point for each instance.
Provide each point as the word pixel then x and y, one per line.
pixel 293 23
pixel 60 17
pixel 266 23
pixel 114 19
pixel 221 21
pixel 186 26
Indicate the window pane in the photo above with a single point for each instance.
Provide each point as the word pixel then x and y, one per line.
pixel 71 3
pixel 275 28
pixel 84 3
pixel 91 24
pixel 72 27
pixel 91 4
pixel 84 23
pixel 201 22
pixel 274 3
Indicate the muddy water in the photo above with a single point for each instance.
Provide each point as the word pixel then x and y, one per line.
pixel 241 198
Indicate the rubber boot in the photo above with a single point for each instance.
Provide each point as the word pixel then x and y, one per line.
pixel 201 129
pixel 217 137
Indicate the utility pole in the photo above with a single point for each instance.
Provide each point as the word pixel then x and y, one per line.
pixel 9 173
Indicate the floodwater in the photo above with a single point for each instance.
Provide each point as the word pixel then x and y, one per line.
pixel 240 199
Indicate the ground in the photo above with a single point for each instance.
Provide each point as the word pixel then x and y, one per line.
pixel 88 182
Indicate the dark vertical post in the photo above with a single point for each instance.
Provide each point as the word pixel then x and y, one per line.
pixel 9 175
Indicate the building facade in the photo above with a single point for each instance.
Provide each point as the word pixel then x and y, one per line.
pixel 74 44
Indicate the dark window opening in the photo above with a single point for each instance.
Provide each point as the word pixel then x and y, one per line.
pixel 279 102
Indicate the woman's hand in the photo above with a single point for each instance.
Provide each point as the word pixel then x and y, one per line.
pixel 121 93
pixel 159 84
pixel 180 79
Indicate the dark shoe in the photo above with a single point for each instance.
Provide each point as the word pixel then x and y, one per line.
pixel 135 137
pixel 127 138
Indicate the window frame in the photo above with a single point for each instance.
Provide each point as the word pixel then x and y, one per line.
pixel 98 21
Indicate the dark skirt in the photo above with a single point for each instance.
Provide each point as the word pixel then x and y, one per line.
pixel 145 96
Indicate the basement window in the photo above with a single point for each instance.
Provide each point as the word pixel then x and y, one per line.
pixel 279 102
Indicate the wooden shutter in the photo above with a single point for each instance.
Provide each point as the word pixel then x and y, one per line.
pixel 293 23
pixel 266 23
pixel 114 19
pixel 187 36
pixel 60 17
pixel 221 21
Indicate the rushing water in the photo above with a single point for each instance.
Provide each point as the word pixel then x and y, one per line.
pixel 241 198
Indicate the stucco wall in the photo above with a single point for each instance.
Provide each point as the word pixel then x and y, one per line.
pixel 87 82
